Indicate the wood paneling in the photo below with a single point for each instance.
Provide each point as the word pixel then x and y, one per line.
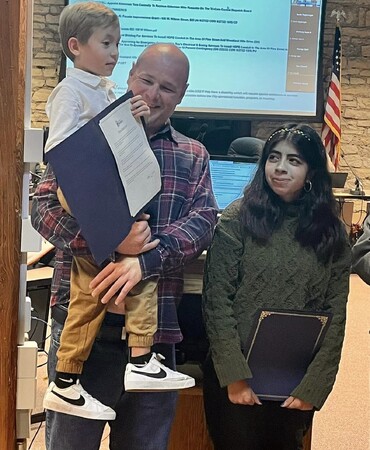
pixel 189 431
pixel 12 80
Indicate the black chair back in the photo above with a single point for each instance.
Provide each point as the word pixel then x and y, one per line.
pixel 247 147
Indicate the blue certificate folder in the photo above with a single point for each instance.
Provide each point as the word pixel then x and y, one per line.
pixel 280 349
pixel 87 173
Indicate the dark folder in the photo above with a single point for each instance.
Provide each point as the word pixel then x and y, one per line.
pixel 280 349
pixel 87 173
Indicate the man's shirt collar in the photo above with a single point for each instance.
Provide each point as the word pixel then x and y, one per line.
pixel 166 132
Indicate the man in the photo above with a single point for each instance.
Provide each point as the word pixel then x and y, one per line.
pixel 361 253
pixel 182 218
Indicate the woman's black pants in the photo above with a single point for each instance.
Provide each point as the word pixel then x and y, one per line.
pixel 243 427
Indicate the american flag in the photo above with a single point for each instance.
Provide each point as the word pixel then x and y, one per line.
pixel 331 131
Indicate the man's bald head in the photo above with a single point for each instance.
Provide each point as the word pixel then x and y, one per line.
pixel 169 53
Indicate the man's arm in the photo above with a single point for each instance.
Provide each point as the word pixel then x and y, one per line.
pixel 178 243
pixel 52 221
pixel 361 253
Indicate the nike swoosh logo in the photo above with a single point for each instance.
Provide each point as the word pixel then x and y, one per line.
pixel 76 402
pixel 66 381
pixel 160 374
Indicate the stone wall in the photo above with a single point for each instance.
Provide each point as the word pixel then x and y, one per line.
pixel 355 77
pixel 46 56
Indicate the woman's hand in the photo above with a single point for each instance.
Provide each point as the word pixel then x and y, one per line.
pixel 139 108
pixel 240 393
pixel 296 403
pixel 120 276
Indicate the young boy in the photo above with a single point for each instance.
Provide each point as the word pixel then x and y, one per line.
pixel 90 34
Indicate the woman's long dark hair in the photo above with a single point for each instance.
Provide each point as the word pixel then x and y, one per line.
pixel 262 211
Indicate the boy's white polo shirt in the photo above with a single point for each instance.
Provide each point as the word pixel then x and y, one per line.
pixel 75 100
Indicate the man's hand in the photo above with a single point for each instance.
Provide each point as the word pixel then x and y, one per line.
pixel 138 240
pixel 121 275
pixel 296 403
pixel 139 108
pixel 240 393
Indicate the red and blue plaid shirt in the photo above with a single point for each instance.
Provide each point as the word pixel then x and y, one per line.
pixel 183 217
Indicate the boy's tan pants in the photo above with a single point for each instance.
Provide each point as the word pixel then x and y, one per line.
pixel 86 314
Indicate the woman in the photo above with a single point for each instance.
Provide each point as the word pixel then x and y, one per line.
pixel 281 246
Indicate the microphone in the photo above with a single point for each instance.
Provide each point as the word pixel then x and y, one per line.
pixel 358 188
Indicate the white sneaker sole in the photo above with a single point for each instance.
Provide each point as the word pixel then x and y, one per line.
pixel 66 408
pixel 153 385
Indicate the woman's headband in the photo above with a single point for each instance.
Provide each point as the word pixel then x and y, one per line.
pixel 287 130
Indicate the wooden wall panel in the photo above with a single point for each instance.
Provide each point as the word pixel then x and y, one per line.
pixel 12 79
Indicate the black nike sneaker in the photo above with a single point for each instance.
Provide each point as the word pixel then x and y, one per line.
pixel 74 400
pixel 154 376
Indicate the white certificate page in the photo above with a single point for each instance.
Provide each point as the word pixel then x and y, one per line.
pixel 137 165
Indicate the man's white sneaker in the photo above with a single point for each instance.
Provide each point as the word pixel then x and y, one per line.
pixel 74 400
pixel 154 376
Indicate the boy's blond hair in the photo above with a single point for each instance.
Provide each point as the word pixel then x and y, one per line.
pixel 80 20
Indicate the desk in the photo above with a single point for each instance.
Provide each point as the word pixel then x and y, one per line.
pixel 346 203
pixel 343 194
pixel 41 275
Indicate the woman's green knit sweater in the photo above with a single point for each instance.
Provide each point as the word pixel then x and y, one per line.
pixel 242 276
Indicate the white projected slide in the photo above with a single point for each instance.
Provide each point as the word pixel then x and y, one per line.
pixel 246 56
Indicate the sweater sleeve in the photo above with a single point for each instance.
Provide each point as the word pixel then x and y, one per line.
pixel 361 254
pixel 221 278
pixel 319 379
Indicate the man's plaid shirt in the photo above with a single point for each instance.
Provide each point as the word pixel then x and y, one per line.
pixel 182 217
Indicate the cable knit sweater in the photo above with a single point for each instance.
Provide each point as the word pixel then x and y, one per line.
pixel 242 276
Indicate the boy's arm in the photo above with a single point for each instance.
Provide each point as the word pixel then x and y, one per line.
pixel 64 111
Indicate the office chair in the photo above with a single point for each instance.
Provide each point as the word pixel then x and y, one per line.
pixel 247 147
